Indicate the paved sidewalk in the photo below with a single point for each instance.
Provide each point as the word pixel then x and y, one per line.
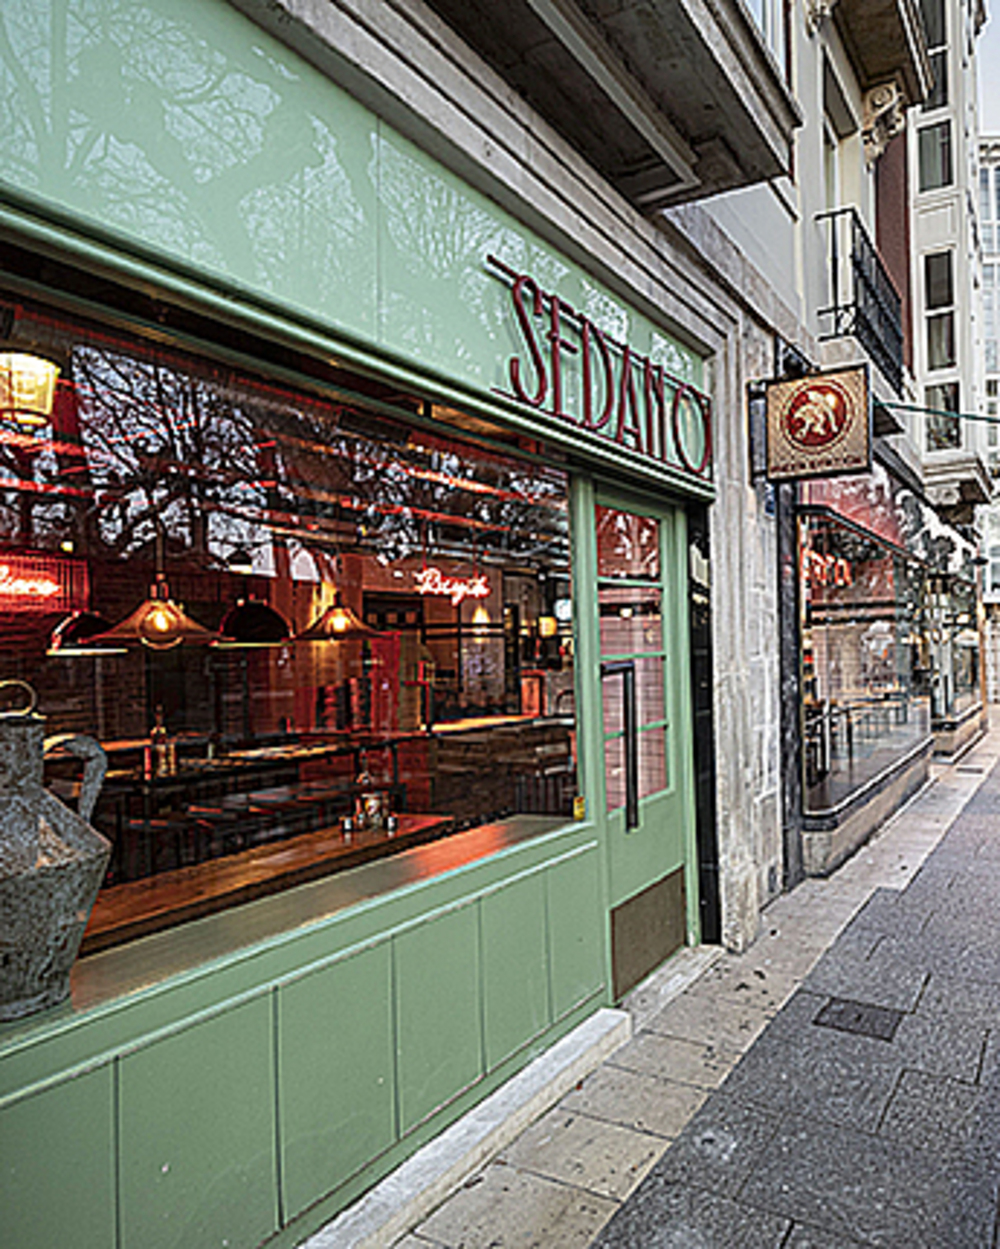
pixel 820 1137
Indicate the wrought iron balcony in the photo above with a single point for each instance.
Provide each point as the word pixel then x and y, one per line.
pixel 864 303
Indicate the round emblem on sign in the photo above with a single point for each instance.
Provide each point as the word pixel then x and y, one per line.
pixel 816 416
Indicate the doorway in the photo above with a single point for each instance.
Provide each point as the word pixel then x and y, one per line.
pixel 640 575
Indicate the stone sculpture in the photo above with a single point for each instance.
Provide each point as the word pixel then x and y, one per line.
pixel 51 863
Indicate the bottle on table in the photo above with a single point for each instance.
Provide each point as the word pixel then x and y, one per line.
pixel 159 746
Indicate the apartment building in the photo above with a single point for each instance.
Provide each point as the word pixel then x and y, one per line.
pixel 989 521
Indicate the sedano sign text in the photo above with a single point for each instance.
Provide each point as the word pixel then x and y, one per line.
pixel 570 368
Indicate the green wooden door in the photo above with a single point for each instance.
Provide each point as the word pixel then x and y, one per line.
pixel 642 668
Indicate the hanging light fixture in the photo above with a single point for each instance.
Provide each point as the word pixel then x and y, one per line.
pixel 240 562
pixel 251 624
pixel 337 624
pixel 27 385
pixel 74 637
pixel 159 623
pixel 481 623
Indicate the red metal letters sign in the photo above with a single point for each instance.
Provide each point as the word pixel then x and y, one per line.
pixel 572 369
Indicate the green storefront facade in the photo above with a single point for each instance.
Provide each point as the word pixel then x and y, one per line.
pixel 240 1078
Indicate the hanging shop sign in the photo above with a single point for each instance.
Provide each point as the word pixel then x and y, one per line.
pixel 42 584
pixel 572 369
pixel 819 425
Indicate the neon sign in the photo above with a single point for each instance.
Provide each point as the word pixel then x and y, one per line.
pixel 12 585
pixel 433 581
pixel 42 583
pixel 825 569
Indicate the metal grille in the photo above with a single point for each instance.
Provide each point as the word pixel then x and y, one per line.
pixel 861 1018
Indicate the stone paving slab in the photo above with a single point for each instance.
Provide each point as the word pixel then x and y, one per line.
pixel 865 1139
pixel 638 1100
pixel 545 1214
pixel 787 1133
pixel 878 1191
pixel 704 1066
pixel 720 1146
pixel 667 1215
pixel 598 1156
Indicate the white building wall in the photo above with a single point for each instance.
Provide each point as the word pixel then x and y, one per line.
pixel 943 220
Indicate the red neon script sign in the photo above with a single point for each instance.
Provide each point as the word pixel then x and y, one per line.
pixel 433 581
pixel 41 584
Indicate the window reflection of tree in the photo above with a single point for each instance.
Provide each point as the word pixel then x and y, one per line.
pixel 134 105
pixel 166 449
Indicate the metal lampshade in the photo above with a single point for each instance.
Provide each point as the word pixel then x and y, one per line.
pixel 251 623
pixel 159 623
pixel 74 637
pixel 337 624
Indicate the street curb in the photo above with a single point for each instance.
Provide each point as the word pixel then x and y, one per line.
pixel 417 1186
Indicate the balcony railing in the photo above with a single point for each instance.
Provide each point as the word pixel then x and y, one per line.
pixel 864 303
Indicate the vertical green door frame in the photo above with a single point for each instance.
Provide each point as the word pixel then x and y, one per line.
pixel 590 708
pixel 676 536
pixel 584 493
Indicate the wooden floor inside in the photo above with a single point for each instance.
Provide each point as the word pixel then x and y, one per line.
pixel 124 912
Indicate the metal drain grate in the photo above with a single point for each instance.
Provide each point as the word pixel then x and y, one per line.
pixel 970 769
pixel 878 1022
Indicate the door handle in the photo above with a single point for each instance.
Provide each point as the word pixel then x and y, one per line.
pixel 625 668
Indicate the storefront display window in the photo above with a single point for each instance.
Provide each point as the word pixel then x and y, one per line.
pixel 952 647
pixel 865 704
pixel 296 623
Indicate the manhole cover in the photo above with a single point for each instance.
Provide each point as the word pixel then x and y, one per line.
pixel 859 1017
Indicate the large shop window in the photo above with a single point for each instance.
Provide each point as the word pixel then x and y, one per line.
pixel 306 632
pixel 865 702
pixel 953 647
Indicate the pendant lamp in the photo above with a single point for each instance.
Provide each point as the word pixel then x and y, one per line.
pixel 159 623
pixel 75 636
pixel 337 624
pixel 27 385
pixel 251 623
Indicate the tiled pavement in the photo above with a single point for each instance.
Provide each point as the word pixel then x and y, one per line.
pixel 733 1120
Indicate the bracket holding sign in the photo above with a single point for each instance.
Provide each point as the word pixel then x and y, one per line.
pixel 819 425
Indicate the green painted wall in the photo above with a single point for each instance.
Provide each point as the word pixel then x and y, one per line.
pixel 222 1105
pixel 180 127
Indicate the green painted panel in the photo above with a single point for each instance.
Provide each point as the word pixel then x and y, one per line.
pixel 576 927
pixel 337 1086
pixel 443 305
pixel 57 1166
pixel 182 125
pixel 198 1135
pixel 649 852
pixel 515 972
pixel 438 1032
